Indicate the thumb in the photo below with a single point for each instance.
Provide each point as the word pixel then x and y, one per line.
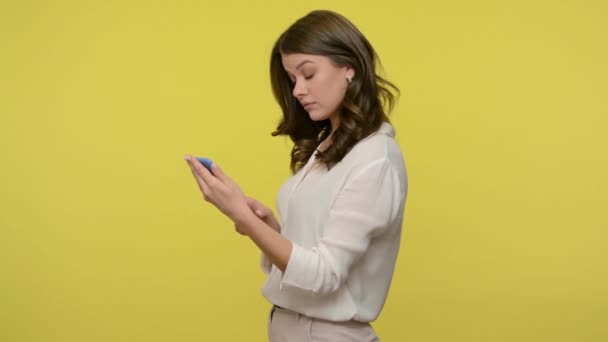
pixel 261 211
pixel 253 204
pixel 250 202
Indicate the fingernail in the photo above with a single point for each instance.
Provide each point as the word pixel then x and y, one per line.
pixel 187 158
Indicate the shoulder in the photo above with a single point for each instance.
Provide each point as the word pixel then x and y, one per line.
pixel 380 145
pixel 378 156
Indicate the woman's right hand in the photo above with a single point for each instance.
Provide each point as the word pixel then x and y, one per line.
pixel 263 212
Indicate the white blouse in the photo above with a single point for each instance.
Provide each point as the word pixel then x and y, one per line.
pixel 345 226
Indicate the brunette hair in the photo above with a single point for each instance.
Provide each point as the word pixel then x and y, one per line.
pixel 330 34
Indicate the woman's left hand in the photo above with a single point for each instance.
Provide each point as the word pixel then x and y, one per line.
pixel 218 189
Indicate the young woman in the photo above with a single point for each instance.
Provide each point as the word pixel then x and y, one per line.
pixel 331 254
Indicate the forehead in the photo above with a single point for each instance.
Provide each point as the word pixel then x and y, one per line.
pixel 292 61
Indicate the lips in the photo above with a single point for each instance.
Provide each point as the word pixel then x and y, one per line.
pixel 307 104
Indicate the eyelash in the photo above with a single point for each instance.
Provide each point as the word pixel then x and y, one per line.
pixel 305 77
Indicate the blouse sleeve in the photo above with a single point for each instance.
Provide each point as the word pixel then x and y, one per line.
pixel 265 264
pixel 368 203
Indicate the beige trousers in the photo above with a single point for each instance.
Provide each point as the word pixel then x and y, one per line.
pixel 288 326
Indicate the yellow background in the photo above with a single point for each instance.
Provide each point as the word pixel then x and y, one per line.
pixel 105 237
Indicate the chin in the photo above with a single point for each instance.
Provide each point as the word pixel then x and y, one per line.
pixel 318 116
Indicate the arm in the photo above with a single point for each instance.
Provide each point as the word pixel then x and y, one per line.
pixel 226 196
pixel 369 202
pixel 269 240
pixel 266 215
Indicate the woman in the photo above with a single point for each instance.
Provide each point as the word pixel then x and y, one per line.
pixel 330 257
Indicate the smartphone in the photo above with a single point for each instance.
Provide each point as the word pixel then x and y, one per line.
pixel 206 162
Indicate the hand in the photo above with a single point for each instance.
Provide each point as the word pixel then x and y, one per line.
pixel 218 189
pixel 263 212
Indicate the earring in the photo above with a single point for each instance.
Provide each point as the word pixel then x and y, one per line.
pixel 349 79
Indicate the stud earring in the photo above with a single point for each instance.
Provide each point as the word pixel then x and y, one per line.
pixel 349 79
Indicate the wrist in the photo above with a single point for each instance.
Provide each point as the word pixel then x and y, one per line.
pixel 244 220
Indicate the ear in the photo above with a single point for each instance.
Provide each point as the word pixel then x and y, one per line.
pixel 349 72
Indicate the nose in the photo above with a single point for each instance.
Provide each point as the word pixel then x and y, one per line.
pixel 299 90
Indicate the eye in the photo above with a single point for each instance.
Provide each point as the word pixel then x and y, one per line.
pixel 308 77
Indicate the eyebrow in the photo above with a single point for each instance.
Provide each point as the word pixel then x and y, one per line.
pixel 304 62
pixel 299 65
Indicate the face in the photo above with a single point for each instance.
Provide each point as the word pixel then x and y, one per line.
pixel 319 85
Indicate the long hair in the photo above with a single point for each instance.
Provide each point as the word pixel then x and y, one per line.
pixel 330 34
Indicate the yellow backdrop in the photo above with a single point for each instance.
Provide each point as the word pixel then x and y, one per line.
pixel 105 237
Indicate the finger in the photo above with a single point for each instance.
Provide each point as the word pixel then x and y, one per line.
pixel 200 170
pixel 255 206
pixel 250 202
pixel 204 188
pixel 202 185
pixel 219 173
pixel 236 228
pixel 193 169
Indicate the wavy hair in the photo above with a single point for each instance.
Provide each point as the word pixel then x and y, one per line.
pixel 330 34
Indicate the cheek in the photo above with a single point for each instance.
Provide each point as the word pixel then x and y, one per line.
pixel 329 92
pixel 333 94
